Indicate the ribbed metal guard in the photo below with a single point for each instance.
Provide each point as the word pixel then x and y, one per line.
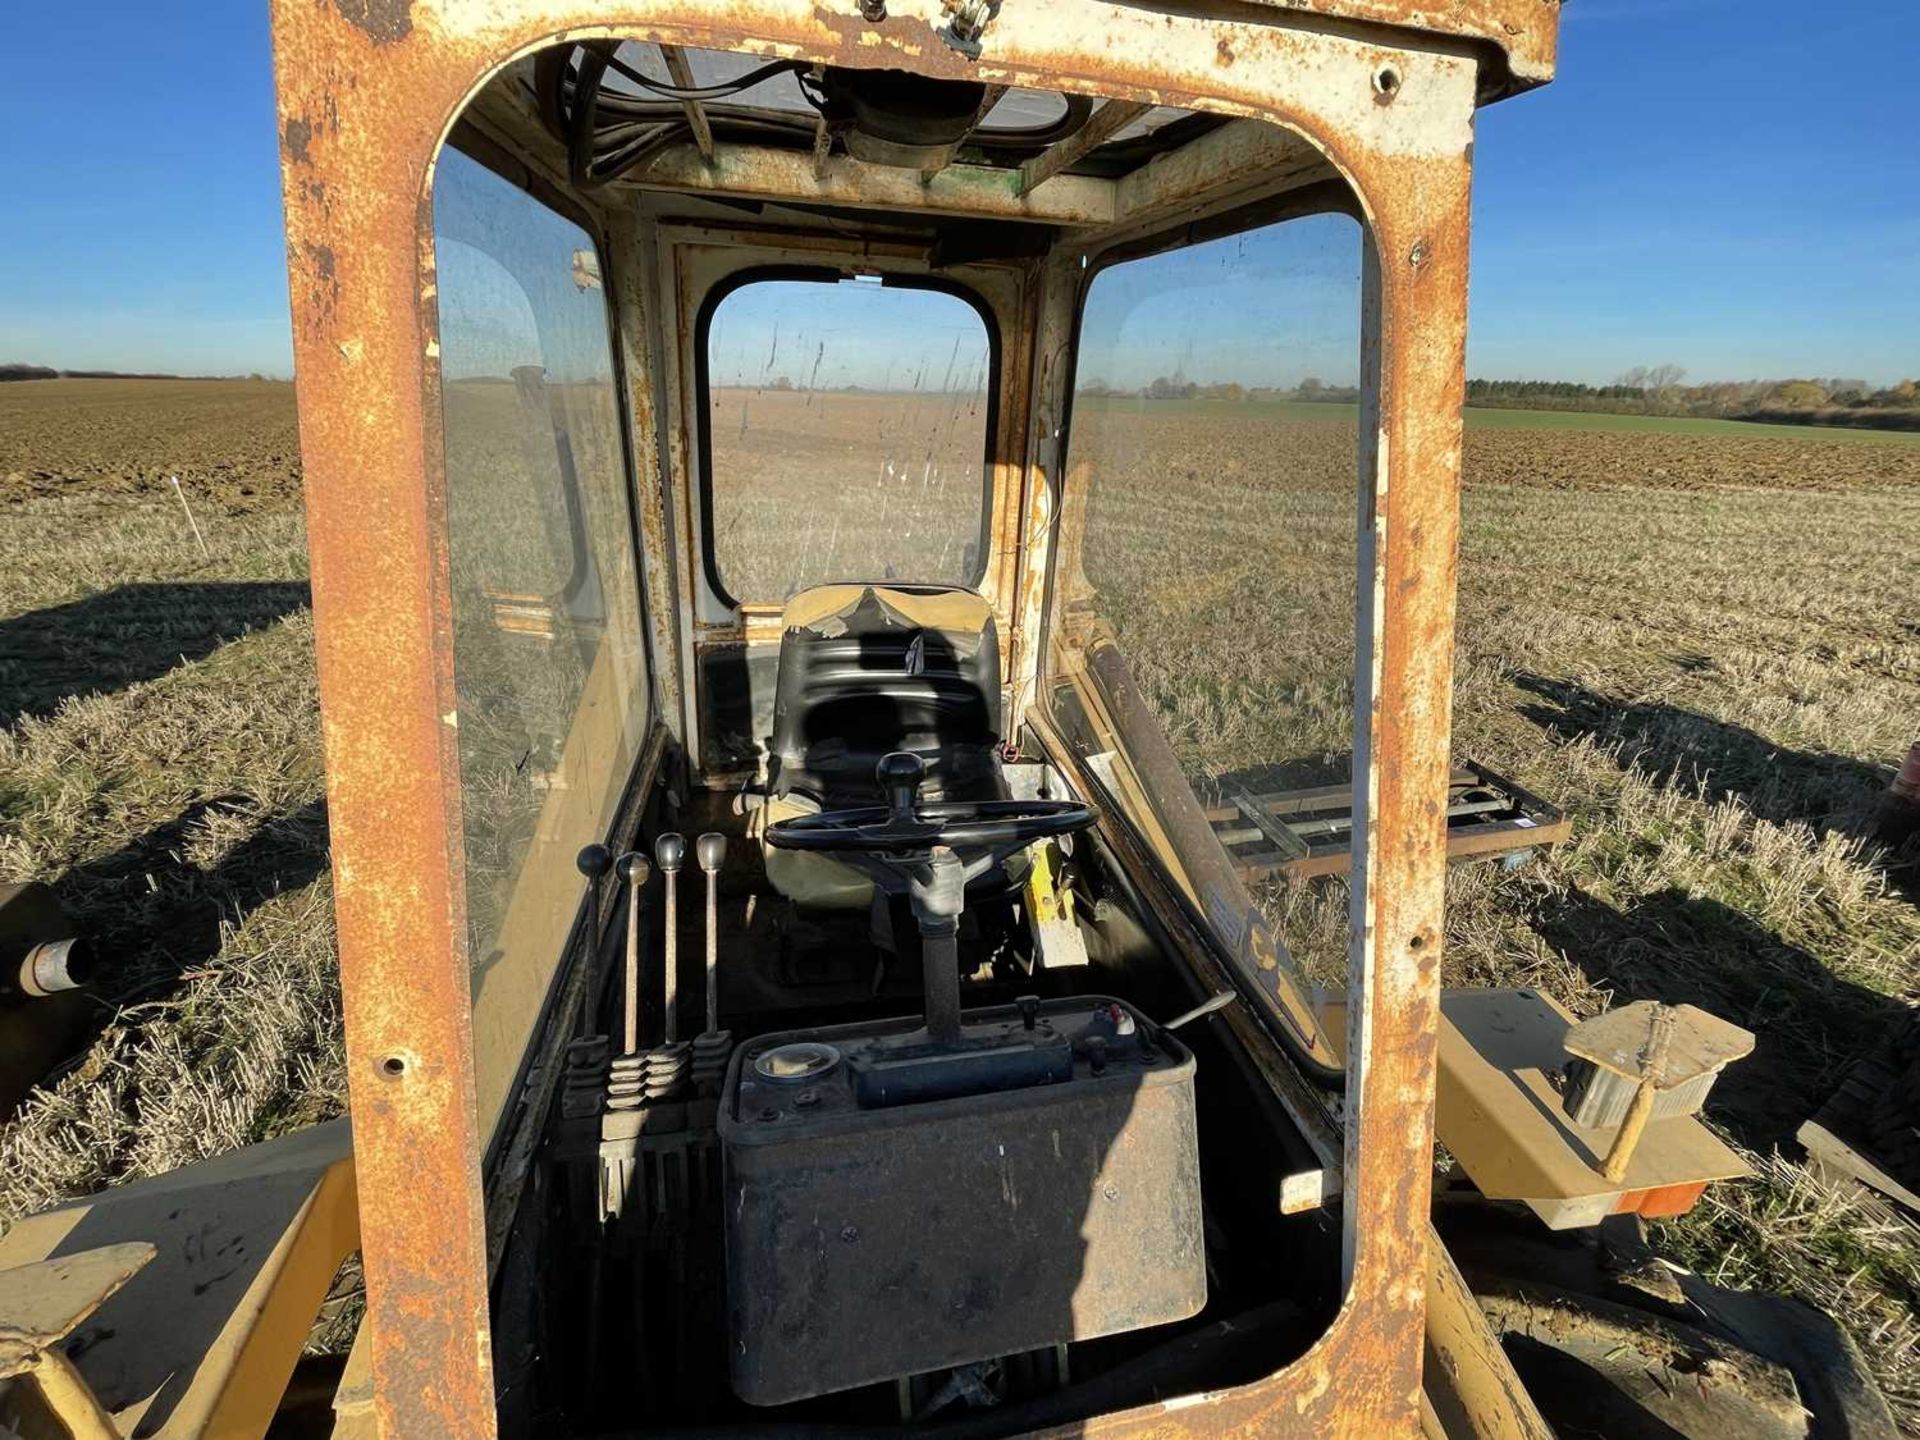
pixel 1600 1098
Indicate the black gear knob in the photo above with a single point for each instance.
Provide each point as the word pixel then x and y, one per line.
pixel 632 868
pixel 594 861
pixel 901 774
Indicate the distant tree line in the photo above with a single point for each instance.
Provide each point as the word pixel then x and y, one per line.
pixel 1643 390
pixel 14 370
pixel 1662 390
pixel 1178 387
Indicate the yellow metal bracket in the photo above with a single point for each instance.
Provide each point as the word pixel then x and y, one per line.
pixel 43 1303
pixel 229 1261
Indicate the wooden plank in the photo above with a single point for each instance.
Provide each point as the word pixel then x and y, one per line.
pixel 1106 122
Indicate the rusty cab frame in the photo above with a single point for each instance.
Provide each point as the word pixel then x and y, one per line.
pixel 1377 94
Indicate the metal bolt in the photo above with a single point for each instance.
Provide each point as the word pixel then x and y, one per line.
pixel 769 1114
pixel 1418 256
pixel 807 1099
pixel 850 1234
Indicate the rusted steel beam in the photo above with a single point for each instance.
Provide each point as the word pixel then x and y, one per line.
pixel 1106 122
pixel 1522 34
pixel 362 100
pixel 759 172
pixel 682 74
pixel 1262 160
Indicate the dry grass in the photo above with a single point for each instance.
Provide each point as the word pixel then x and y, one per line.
pixel 1716 682
pixel 1712 668
pixel 161 770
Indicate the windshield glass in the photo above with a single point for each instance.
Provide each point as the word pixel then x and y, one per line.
pixel 846 435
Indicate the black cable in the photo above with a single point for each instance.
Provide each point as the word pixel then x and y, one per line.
pixel 719 90
pixel 609 132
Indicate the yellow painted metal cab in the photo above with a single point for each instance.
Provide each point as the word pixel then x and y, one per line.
pixel 874 439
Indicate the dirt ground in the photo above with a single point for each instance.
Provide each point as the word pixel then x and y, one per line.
pixel 234 442
pixel 1703 647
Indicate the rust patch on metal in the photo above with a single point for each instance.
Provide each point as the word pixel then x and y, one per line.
pixel 299 133
pixel 382 21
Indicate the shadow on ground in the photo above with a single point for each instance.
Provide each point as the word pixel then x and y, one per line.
pixel 1835 794
pixel 154 915
pixel 1683 949
pixel 130 633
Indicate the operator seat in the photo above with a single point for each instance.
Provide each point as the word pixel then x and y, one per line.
pixel 867 669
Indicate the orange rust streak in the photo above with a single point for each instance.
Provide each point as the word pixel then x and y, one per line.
pixel 354 185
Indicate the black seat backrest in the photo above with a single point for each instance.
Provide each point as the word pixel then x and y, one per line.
pixel 867 669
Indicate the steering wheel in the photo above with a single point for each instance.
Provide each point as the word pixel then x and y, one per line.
pixel 915 850
pixel 904 827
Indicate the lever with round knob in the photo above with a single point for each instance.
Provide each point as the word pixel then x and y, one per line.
pixel 711 851
pixel 670 853
pixel 593 862
pixel 633 870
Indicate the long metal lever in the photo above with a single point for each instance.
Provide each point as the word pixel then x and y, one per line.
pixel 593 862
pixel 711 851
pixel 1206 1007
pixel 633 870
pixel 670 853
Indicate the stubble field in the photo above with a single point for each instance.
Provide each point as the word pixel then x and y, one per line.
pixel 1704 645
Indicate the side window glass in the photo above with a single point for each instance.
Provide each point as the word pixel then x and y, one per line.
pixel 549 659
pixel 1202 630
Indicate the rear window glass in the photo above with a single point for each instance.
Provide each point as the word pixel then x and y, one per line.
pixel 846 435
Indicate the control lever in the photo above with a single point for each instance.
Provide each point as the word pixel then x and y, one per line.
pixel 593 861
pixel 713 1046
pixel 1213 1004
pixel 711 851
pixel 670 853
pixel 633 871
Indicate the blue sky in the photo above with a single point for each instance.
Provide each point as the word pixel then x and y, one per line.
pixel 1728 185
pixel 855 332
